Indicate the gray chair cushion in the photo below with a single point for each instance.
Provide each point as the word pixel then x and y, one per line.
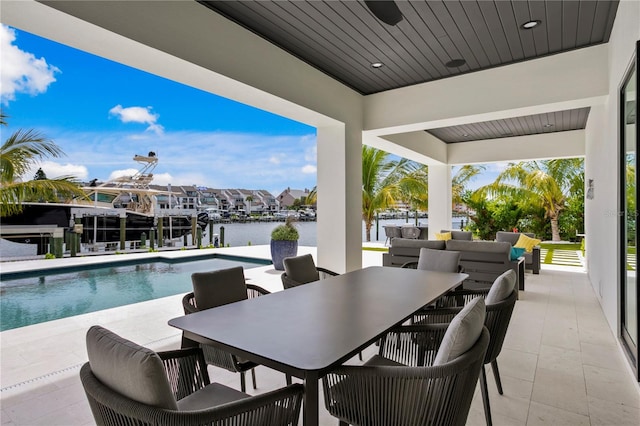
pixel 380 361
pixel 502 287
pixel 210 396
pixel 218 288
pixel 438 260
pixel 301 269
pixel 463 331
pixel 129 369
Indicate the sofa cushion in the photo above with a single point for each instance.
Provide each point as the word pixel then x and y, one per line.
pixel 501 288
pixel 526 242
pixel 409 243
pixel 480 246
pixel 463 331
pixel 443 236
pixel 460 235
pixel 129 369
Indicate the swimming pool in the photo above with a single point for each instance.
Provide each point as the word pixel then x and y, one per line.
pixel 33 297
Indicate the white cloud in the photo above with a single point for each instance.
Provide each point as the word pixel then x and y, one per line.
pixel 138 114
pixel 119 173
pixel 21 71
pixel 309 169
pixel 311 154
pixel 274 160
pixel 55 170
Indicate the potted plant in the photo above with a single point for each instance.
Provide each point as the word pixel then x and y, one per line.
pixel 284 242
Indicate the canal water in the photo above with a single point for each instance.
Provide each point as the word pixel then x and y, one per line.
pixel 259 233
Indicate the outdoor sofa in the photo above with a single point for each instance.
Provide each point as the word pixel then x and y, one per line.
pixel 484 261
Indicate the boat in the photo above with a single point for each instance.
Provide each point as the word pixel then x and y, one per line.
pixel 97 217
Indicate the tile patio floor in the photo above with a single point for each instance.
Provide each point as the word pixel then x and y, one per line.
pixel 560 363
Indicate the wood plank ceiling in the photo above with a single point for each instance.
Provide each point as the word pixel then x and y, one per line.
pixel 344 39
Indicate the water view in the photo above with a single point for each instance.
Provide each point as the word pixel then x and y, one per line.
pixel 242 234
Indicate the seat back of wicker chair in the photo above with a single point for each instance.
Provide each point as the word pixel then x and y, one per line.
pixel 408 396
pixel 497 320
pixel 276 408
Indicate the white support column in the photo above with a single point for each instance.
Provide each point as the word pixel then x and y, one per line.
pixel 339 217
pixel 439 198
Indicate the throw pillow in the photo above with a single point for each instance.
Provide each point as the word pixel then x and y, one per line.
pixel 526 243
pixel 501 288
pixel 516 252
pixel 443 236
pixel 463 332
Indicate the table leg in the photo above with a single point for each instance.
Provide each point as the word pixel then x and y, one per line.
pixel 310 411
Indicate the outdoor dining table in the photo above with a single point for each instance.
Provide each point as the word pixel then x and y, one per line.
pixel 307 331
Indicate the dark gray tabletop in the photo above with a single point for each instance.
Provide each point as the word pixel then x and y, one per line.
pixel 319 325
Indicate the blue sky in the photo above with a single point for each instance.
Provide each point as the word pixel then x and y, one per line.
pixel 102 113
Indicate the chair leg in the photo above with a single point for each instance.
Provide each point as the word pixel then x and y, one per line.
pixel 485 396
pixel 288 379
pixel 243 386
pixel 496 374
pixel 253 378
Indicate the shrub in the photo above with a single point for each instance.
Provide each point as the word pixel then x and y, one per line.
pixel 286 232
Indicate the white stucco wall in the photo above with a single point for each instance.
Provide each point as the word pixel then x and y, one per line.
pixel 601 216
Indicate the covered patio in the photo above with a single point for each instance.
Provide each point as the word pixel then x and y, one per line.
pixel 560 363
pixel 567 327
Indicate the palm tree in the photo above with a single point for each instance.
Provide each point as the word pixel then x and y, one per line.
pixel 18 153
pixel 459 182
pixel 540 184
pixel 385 182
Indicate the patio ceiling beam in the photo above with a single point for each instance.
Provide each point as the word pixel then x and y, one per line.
pixel 572 80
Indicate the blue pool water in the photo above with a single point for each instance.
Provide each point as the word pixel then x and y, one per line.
pixel 27 299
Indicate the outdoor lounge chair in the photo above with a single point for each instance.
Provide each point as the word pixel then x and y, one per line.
pixel 128 384
pixel 500 300
pixel 424 375
pixel 218 288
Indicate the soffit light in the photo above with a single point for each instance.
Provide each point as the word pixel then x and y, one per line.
pixel 548 125
pixel 530 24
pixel 377 65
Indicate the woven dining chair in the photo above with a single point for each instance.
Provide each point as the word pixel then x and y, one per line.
pixel 302 269
pixel 500 300
pixel 217 288
pixel 423 375
pixel 128 384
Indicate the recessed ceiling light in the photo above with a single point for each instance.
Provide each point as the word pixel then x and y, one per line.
pixel 377 65
pixel 548 125
pixel 455 63
pixel 531 24
pixel 464 135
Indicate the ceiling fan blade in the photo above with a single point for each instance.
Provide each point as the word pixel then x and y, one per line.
pixel 385 10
